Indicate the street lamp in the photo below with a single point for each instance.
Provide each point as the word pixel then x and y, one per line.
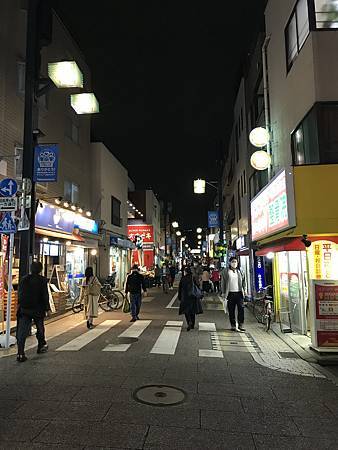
pixel 178 233
pixel 186 246
pixel 199 230
pixel 85 103
pixel 65 74
pixel 199 186
pixel 260 137
pixel 175 224
pixel 199 236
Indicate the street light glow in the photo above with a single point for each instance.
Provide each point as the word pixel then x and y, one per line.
pixel 175 224
pixel 260 160
pixel 65 74
pixel 178 233
pixel 85 103
pixel 259 137
pixel 199 236
pixel 199 230
pixel 199 186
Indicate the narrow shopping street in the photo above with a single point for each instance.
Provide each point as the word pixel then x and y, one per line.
pixel 85 392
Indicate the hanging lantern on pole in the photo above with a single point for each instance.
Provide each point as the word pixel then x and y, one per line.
pixel 260 160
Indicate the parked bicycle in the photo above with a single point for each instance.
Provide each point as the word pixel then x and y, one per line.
pixel 263 306
pixel 110 299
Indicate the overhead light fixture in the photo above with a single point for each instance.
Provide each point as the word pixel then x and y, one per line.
pixel 88 213
pixel 270 255
pixel 85 103
pixel 66 204
pixel 186 245
pixel 80 210
pixel 199 186
pixel 199 230
pixel 259 137
pixel 178 233
pixel 45 239
pixel 199 242
pixel 260 160
pixel 65 74
pixel 58 200
pixel 199 236
pixel 93 252
pixel 68 243
pixel 134 207
pixel 175 224
pixel 73 207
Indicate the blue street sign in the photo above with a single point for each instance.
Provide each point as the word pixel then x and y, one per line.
pixel 7 224
pixel 213 219
pixel 259 273
pixel 8 187
pixel 46 158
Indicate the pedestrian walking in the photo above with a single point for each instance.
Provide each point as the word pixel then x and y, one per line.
pixel 134 286
pixel 233 288
pixel 90 294
pixel 157 276
pixel 215 278
pixel 33 304
pixel 165 277
pixel 206 280
pixel 189 296
pixel 196 271
pixel 172 271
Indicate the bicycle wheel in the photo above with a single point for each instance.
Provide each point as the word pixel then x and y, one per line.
pixel 104 303
pixel 120 299
pixel 77 306
pixel 259 310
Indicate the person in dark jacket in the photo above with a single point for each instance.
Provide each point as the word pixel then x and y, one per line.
pixel 189 304
pixel 172 271
pixel 134 286
pixel 33 303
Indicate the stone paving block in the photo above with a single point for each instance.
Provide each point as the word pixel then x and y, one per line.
pixel 86 411
pixel 134 383
pixel 240 422
pixel 101 394
pixel 178 438
pixel 233 389
pixel 8 407
pixel 36 409
pixel 300 408
pixel 84 379
pixel 311 427
pixel 214 402
pixel 38 393
pixel 265 442
pixel 169 416
pixel 21 445
pixel 20 430
pixel 294 393
pixel 100 435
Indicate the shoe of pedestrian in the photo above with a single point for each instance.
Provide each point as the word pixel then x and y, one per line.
pixel 21 358
pixel 133 319
pixel 233 329
pixel 42 349
pixel 137 318
pixel 91 326
pixel 88 324
pixel 240 328
pixel 188 328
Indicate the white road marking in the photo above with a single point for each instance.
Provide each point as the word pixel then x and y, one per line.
pixel 206 326
pixel 117 348
pixel 136 329
pixel 167 341
pixel 85 338
pixel 211 353
pixel 172 301
pixel 174 323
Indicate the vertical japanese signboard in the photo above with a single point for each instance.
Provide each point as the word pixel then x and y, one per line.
pixel 4 248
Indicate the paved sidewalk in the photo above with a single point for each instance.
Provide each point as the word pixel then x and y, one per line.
pixel 84 398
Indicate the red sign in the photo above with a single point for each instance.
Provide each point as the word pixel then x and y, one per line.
pixel 141 234
pixel 269 209
pixel 326 298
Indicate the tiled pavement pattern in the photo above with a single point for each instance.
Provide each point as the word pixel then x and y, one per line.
pixel 83 399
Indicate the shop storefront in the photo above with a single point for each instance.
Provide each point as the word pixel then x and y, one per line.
pixel 144 253
pixel 65 243
pixel 243 253
pixel 119 259
pixel 305 266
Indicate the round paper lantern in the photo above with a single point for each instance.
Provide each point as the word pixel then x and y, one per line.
pixel 260 160
pixel 259 137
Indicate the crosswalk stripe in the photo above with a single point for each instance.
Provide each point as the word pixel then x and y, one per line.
pixel 116 348
pixel 167 341
pixel 172 301
pixel 136 329
pixel 86 338
pixel 174 323
pixel 211 353
pixel 206 326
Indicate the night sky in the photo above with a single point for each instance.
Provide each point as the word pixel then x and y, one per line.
pixel 165 74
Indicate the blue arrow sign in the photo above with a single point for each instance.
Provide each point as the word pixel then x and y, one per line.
pixel 8 187
pixel 7 224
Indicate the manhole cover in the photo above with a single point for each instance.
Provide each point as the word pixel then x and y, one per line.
pixel 126 340
pixel 159 395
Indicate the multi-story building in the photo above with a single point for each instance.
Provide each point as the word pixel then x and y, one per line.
pixel 109 190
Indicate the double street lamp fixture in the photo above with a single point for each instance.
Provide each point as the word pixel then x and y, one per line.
pixel 260 159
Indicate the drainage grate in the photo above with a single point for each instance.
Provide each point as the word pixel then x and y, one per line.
pixel 286 355
pixel 159 395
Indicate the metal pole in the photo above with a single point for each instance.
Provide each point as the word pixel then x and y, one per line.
pixel 26 238
pixel 220 206
pixel 10 289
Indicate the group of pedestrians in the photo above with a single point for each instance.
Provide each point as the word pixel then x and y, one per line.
pixel 33 297
pixel 165 276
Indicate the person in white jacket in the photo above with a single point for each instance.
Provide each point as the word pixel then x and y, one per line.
pixel 233 289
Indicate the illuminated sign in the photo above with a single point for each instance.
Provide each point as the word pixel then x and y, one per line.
pixel 86 224
pixel 272 210
pixel 323 260
pixel 141 234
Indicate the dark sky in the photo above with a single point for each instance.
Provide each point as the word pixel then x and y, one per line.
pixel 165 74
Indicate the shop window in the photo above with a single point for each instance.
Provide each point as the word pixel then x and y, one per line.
pixel 71 191
pixel 315 140
pixel 326 13
pixel 116 212
pixel 296 32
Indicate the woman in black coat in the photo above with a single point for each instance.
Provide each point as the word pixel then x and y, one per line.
pixel 189 304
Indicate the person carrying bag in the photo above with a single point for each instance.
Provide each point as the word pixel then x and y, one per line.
pixel 189 296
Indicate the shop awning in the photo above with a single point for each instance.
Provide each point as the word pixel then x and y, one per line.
pixel 293 244
pixel 69 237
